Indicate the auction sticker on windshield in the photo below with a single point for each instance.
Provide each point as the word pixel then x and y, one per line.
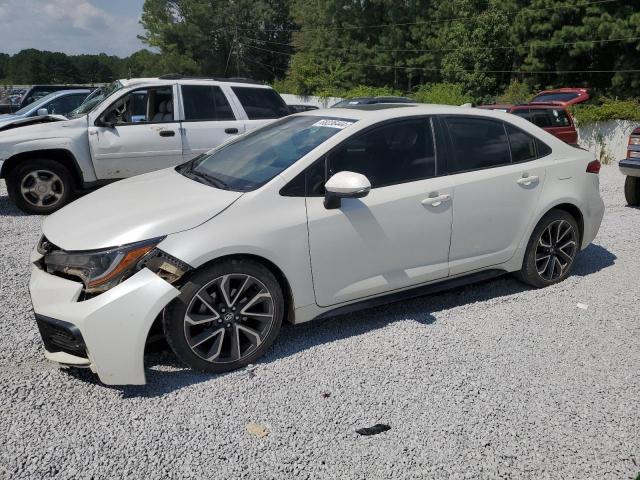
pixel 339 124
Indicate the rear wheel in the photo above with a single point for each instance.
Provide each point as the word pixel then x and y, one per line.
pixel 40 186
pixel 632 191
pixel 552 248
pixel 226 316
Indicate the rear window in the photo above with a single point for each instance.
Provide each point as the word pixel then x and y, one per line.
pixel 555 97
pixel 261 103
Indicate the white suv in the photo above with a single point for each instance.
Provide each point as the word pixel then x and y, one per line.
pixel 129 127
pixel 316 214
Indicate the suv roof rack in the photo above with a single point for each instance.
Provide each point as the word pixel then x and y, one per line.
pixel 178 76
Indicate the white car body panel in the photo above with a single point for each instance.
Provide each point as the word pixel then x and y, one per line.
pixel 387 241
pixel 172 203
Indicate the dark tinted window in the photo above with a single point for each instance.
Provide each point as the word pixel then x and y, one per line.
pixel 62 105
pixel 477 143
pixel 542 148
pixel 205 102
pixel 396 153
pixel 554 97
pixel 260 103
pixel 523 146
pixel 559 117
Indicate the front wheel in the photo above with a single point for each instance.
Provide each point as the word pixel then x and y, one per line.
pixel 226 316
pixel 40 186
pixel 552 248
pixel 632 191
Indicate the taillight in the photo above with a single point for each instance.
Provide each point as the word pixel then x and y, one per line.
pixel 593 167
pixel 635 141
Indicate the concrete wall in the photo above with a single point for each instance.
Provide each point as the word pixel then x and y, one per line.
pixel 608 140
pixel 301 100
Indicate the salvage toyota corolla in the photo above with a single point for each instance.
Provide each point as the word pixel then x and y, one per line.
pixel 319 213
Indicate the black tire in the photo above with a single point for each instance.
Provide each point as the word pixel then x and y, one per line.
pixel 632 191
pixel 556 270
pixel 203 291
pixel 27 174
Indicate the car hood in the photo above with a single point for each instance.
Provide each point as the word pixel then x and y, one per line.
pixel 135 209
pixel 37 128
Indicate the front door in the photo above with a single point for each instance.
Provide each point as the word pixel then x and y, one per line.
pixel 144 134
pixel 497 182
pixel 397 236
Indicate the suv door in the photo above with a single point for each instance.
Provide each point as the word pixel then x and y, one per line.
pixel 496 185
pixel 207 119
pixel 395 237
pixel 137 133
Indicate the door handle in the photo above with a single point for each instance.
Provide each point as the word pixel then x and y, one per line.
pixel 530 180
pixel 231 131
pixel 167 133
pixel 437 200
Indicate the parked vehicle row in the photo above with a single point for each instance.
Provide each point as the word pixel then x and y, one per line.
pixel 62 102
pixel 128 128
pixel 312 215
pixel 36 92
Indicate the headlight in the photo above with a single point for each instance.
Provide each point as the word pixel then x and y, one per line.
pixel 102 270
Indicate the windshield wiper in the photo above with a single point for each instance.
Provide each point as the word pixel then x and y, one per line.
pixel 215 181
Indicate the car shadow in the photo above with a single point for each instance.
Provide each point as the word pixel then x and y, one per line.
pixel 166 374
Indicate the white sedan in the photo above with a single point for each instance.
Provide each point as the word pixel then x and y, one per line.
pixel 314 215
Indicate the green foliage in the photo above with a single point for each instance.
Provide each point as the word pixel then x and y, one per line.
pixel 610 109
pixel 516 92
pixel 442 93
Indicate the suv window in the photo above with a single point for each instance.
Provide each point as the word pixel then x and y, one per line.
pixel 476 143
pixel 523 146
pixel 396 153
pixel 261 103
pixel 146 105
pixel 205 102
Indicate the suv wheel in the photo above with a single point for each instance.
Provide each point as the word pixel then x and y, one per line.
pixel 552 248
pixel 632 191
pixel 226 316
pixel 40 186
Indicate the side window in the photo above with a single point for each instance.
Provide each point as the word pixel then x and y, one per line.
pixel 261 103
pixel 396 153
pixel 559 118
pixel 148 105
pixel 523 146
pixel 476 143
pixel 541 118
pixel 205 102
pixel 542 148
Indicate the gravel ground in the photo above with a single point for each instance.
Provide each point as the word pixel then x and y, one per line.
pixel 493 380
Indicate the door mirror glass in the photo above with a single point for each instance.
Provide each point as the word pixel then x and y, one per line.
pixel 345 185
pixel 42 111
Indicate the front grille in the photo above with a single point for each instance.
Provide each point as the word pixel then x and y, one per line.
pixel 59 336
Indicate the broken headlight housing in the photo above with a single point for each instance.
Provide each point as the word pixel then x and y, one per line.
pixel 100 270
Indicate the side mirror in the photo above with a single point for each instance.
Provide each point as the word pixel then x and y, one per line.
pixel 345 185
pixel 42 112
pixel 102 122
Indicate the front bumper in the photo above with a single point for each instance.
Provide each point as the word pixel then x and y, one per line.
pixel 106 333
pixel 630 167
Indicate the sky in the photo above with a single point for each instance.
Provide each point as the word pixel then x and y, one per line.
pixel 71 26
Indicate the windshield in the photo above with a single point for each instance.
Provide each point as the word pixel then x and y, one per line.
pixel 253 159
pixel 35 105
pixel 95 98
pixel 555 97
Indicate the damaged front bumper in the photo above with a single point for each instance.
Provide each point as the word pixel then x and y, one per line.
pixel 106 333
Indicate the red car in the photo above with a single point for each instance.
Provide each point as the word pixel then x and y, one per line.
pixel 562 96
pixel 551 117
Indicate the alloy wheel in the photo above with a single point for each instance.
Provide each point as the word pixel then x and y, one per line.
pixel 556 250
pixel 42 188
pixel 227 319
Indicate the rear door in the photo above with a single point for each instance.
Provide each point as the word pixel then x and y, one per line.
pixel 260 105
pixel 207 119
pixel 496 185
